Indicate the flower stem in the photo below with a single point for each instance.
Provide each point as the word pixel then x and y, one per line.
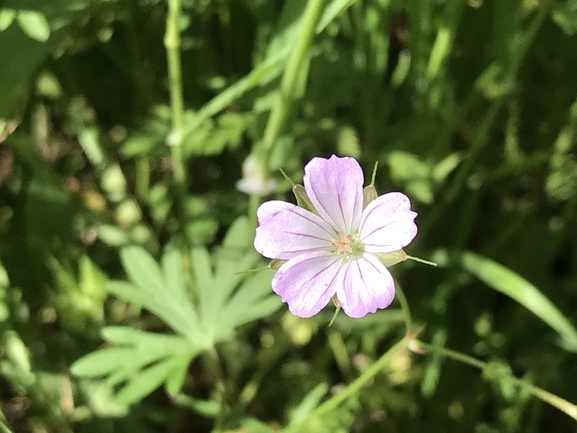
pixel 405 307
pixel 554 400
pixel 354 387
pixel 172 45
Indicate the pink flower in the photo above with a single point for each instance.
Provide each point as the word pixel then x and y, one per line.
pixel 337 250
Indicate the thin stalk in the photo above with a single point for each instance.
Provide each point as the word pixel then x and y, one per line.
pixel 253 204
pixel 554 400
pixel 172 44
pixel 213 364
pixel 404 307
pixel 285 98
pixel 353 388
pixel 288 84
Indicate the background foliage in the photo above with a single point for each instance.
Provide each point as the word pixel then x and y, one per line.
pixel 470 109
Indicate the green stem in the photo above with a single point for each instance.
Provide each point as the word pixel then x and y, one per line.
pixel 405 307
pixel 281 107
pixel 172 44
pixel 331 404
pixel 554 400
pixel 213 364
pixel 253 203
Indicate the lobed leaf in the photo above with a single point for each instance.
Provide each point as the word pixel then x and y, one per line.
pixel 144 383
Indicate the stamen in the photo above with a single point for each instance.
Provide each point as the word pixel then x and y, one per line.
pixel 343 245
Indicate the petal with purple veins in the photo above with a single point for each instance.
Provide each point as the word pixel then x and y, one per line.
pixel 286 230
pixel 308 282
pixel 366 286
pixel 388 223
pixel 335 187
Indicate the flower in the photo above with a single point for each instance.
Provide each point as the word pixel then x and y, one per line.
pixel 338 247
pixel 254 180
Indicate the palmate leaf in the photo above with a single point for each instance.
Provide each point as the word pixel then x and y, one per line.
pixel 228 299
pixel 161 291
pixel 142 361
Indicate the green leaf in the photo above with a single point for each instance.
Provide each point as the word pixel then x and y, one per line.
pixel 309 403
pixel 144 383
pixel 266 71
pixel 141 268
pixel 432 372
pixel 164 295
pixel 163 358
pixel 180 317
pixel 149 341
pixel 251 301
pixel 113 236
pixel 446 166
pixel 6 18
pixel 106 361
pixel 406 166
pixel 333 10
pixel 223 305
pixel 236 255
pixel 92 281
pixel 255 426
pixel 34 24
pixel 516 287
pixel 177 375
pixel 209 409
pixel 171 264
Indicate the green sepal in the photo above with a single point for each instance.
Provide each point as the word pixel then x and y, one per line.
pixel 390 259
pixel 275 264
pixel 303 199
pixel 369 194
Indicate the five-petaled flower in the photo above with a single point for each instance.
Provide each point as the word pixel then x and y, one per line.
pixel 339 248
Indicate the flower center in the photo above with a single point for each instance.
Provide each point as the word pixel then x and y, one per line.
pixel 343 244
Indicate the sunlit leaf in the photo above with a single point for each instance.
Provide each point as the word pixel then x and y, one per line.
pixel 164 295
pixel 144 382
pixel 34 24
pixel 106 361
pixel 225 303
pixel 513 285
pixel 309 403
pixel 6 18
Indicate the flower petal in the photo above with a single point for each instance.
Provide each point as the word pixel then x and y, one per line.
pixel 335 187
pixel 388 223
pixel 308 282
pixel 286 230
pixel 366 286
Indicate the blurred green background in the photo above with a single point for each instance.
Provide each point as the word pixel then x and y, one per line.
pixel 470 109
